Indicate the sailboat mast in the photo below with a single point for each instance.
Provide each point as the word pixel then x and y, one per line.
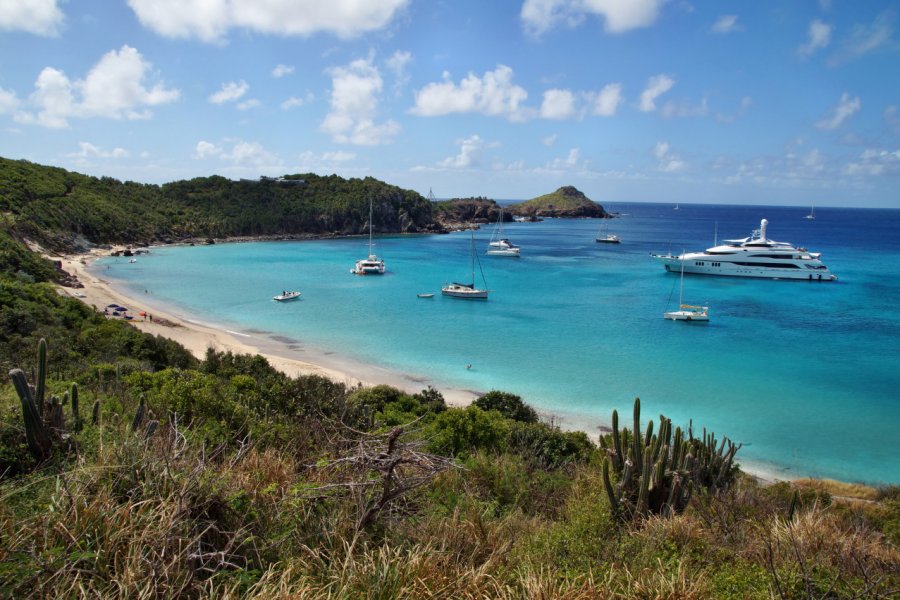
pixel 473 259
pixel 370 227
pixel 681 288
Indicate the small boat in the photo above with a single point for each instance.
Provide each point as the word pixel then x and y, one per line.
pixel 372 265
pixel 687 312
pixel 812 214
pixel 424 295
pixel 499 245
pixel 676 207
pixel 133 260
pixel 286 295
pixel 604 236
pixel 467 291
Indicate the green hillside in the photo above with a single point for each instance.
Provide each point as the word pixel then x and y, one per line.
pixel 64 210
pixel 565 202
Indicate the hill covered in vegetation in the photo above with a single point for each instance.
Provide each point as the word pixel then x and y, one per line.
pixel 65 210
pixel 131 469
pixel 567 201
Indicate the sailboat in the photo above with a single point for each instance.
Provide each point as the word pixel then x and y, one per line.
pixel 675 207
pixel 687 312
pixel 499 245
pixel 371 265
pixel 812 214
pixel 604 236
pixel 467 290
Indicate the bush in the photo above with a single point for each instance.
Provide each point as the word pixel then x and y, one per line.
pixel 460 431
pixel 508 405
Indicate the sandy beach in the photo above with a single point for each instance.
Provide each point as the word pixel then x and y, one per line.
pixel 197 337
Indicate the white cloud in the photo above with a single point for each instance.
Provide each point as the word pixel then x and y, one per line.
pixel 607 100
pixel 282 70
pixel 668 162
pixel 114 88
pixel 875 162
pixel 8 101
pixel 470 150
pixel 230 92
pixel 493 94
pixel 248 104
pixel 355 91
pixel 846 108
pixel 294 101
pixel 206 149
pixel 338 156
pixel 210 20
pixel 250 154
pixel 819 37
pixel 565 164
pixel 41 17
pixel 88 150
pixel 558 104
pixel 656 86
pixel 549 140
pixel 864 40
pixel 397 63
pixel 685 109
pixel 540 16
pixel 725 24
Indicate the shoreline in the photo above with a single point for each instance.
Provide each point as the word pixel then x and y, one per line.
pixel 197 336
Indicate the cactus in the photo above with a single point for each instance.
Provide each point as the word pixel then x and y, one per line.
pixel 95 412
pixel 76 415
pixel 139 415
pixel 40 442
pixel 40 386
pixel 660 472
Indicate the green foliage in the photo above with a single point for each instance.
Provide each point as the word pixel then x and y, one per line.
pixel 659 472
pixel 509 405
pixel 461 431
pixel 548 447
pixel 64 210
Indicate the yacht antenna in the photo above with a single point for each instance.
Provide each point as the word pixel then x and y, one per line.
pixel 716 235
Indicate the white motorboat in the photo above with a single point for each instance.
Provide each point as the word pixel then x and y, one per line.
pixel 426 295
pixel 753 256
pixel 499 245
pixel 286 295
pixel 467 291
pixel 687 312
pixel 372 265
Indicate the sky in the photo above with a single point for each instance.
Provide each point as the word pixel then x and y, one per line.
pixel 784 102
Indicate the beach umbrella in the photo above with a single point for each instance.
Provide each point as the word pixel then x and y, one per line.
pixel 112 306
pixel 142 314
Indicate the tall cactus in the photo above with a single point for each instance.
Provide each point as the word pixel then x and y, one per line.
pixel 660 472
pixel 76 415
pixel 40 385
pixel 40 442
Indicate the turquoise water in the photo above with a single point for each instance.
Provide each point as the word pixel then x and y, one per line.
pixel 806 375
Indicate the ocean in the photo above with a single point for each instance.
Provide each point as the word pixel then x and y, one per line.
pixel 806 375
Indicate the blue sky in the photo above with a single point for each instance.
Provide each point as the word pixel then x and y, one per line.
pixel 792 102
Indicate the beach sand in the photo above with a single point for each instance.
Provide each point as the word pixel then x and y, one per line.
pixel 198 337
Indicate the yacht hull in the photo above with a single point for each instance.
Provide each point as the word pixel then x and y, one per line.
pixel 464 294
pixel 701 264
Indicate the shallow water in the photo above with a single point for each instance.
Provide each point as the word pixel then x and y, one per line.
pixel 805 375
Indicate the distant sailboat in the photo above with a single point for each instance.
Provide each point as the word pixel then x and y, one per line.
pixel 675 207
pixel 467 290
pixel 687 312
pixel 812 214
pixel 499 245
pixel 371 265
pixel 604 236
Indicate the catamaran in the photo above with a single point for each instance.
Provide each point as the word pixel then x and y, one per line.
pixel 752 256
pixel 467 291
pixel 499 245
pixel 371 265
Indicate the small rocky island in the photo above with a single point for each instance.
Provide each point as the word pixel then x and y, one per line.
pixel 566 202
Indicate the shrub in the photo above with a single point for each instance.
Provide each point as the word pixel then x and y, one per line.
pixel 508 405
